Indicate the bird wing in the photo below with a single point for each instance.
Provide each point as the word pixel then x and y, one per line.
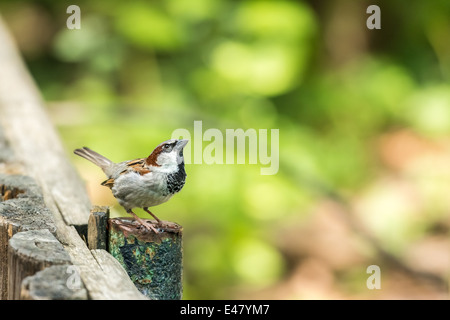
pixel 108 183
pixel 137 165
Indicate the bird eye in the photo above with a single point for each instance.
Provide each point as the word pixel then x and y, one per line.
pixel 167 147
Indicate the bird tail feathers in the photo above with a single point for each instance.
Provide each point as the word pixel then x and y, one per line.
pixel 94 157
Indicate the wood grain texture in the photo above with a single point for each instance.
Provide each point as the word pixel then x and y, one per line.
pixel 34 140
pixel 35 144
pixel 97 228
pixel 23 212
pixel 117 276
pixel 96 274
pixel 30 252
pixel 54 283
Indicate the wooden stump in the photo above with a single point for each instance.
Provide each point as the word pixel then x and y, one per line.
pixel 30 252
pixel 60 282
pixel 21 209
pixel 152 261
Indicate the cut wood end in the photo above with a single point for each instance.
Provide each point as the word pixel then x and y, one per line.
pixel 130 226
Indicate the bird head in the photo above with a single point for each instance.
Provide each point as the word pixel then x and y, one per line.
pixel 168 154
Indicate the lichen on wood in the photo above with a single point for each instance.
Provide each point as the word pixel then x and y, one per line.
pixel 152 261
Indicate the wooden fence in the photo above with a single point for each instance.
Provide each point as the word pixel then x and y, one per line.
pixel 44 206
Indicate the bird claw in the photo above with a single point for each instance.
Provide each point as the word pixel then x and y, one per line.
pixel 149 226
pixel 138 224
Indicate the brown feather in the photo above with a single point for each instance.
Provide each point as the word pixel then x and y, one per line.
pixel 151 159
pixel 135 162
pixel 137 165
pixel 108 183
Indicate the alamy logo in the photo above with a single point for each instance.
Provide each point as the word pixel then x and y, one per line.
pixel 373 281
pixel 374 20
pixel 74 20
pixel 74 280
pixel 236 143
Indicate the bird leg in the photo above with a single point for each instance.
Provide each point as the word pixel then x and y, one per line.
pixel 144 223
pixel 149 212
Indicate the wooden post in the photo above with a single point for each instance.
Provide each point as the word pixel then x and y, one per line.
pixel 152 261
pixel 30 252
pixel 97 228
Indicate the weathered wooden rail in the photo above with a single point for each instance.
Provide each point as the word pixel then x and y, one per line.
pixel 44 206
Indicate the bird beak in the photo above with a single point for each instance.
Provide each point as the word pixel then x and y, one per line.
pixel 181 143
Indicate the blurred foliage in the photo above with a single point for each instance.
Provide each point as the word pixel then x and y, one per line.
pixel 356 109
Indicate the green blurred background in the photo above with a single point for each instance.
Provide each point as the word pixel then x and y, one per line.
pixel 364 120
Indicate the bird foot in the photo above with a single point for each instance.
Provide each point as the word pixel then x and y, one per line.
pixel 148 225
pixel 159 226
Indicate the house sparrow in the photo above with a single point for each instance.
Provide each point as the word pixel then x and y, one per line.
pixel 146 182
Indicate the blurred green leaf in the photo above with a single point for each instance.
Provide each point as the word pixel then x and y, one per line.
pixel 148 27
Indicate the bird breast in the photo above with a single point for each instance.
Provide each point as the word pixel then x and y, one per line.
pixel 133 190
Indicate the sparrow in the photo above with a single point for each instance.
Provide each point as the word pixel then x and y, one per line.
pixel 144 182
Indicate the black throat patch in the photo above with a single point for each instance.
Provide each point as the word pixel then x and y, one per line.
pixel 175 181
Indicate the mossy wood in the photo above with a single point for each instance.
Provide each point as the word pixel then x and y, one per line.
pixel 152 261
